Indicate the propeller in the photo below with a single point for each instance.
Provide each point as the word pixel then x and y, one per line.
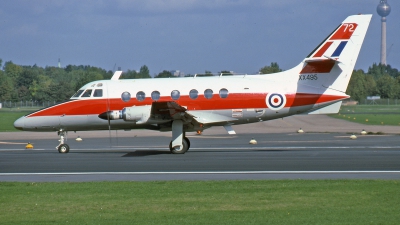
pixel 108 114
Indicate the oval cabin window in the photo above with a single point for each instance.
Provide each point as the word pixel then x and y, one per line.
pixel 208 93
pixel 140 96
pixel 193 94
pixel 126 96
pixel 155 95
pixel 223 93
pixel 175 94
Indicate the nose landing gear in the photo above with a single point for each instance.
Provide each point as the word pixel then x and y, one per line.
pixel 62 147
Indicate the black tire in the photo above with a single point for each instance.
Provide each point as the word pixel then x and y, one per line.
pixel 179 151
pixel 64 148
pixel 188 142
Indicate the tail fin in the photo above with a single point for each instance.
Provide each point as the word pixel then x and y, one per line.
pixel 330 65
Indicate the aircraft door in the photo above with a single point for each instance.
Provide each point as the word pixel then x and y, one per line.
pixel 102 102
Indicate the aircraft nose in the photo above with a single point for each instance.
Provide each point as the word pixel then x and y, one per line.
pixel 20 123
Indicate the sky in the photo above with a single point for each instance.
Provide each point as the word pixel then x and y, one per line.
pixel 187 35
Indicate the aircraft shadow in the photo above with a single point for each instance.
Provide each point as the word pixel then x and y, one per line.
pixel 140 153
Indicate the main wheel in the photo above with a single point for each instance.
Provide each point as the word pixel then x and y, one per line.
pixel 180 150
pixel 188 142
pixel 64 148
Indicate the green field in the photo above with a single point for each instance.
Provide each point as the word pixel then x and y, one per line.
pixel 7 119
pixel 9 115
pixel 202 202
pixel 371 114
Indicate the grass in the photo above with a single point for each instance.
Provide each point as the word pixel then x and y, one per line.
pixel 7 119
pixel 9 115
pixel 372 109
pixel 202 202
pixel 371 114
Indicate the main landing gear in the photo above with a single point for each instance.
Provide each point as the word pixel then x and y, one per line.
pixel 179 143
pixel 181 149
pixel 62 147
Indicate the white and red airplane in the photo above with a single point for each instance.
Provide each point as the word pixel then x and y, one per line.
pixel 316 86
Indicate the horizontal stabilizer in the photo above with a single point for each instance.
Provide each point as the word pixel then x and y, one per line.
pixel 319 59
pixel 330 109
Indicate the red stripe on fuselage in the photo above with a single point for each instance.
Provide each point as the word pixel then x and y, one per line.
pixel 233 101
pixel 303 99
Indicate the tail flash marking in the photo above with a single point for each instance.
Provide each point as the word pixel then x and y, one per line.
pixel 334 46
pixel 339 49
pixel 323 49
pixel 324 66
pixel 344 32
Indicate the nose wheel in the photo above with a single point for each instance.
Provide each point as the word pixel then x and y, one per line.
pixel 62 147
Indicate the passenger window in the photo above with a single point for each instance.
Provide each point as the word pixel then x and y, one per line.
pixel 208 93
pixel 126 96
pixel 223 93
pixel 98 93
pixel 77 94
pixel 155 95
pixel 87 93
pixel 193 94
pixel 140 96
pixel 175 94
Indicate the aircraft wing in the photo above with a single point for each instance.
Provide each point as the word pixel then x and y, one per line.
pixel 173 110
pixel 167 110
pixel 209 117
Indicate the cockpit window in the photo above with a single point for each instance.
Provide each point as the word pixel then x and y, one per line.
pixel 98 93
pixel 77 94
pixel 87 93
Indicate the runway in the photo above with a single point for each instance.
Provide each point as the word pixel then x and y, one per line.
pixel 144 156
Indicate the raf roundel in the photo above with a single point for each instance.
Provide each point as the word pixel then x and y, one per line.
pixel 275 101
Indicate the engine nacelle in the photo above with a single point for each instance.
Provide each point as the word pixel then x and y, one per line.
pixel 138 114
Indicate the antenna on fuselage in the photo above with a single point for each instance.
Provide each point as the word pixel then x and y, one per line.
pixel 116 75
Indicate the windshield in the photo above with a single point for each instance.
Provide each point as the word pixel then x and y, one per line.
pixel 77 94
pixel 87 93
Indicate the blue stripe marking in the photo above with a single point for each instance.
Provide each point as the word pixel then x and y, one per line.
pixel 339 49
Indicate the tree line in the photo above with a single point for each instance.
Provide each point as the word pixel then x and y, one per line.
pixel 28 83
pixel 379 80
